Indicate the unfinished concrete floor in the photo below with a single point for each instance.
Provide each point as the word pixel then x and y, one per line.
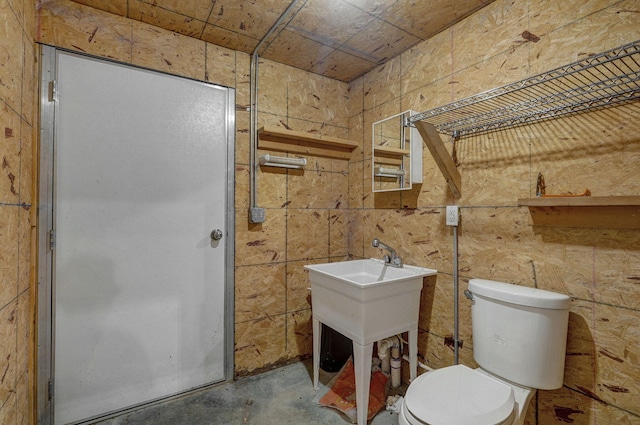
pixel 281 396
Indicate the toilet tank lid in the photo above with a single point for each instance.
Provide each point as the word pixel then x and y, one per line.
pixel 520 295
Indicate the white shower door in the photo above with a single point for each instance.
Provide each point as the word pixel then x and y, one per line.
pixel 141 180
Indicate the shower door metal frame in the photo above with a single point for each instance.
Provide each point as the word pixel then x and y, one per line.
pixel 45 335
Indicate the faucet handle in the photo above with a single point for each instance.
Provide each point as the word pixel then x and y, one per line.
pixel 386 258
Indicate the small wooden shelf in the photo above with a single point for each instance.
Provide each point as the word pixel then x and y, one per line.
pixel 388 151
pixel 580 201
pixel 279 139
pixel 616 212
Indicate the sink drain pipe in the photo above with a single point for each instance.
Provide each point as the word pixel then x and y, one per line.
pixel 389 353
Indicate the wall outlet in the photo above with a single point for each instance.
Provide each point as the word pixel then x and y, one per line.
pixel 453 215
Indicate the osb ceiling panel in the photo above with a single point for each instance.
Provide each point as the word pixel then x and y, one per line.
pixel 340 39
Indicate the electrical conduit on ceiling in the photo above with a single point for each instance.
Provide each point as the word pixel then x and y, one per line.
pixel 256 215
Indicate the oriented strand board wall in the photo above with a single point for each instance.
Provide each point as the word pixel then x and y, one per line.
pixel 598 268
pixel 18 125
pixel 305 211
pixel 308 223
pixel 306 218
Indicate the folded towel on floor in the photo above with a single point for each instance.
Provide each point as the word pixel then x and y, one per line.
pixel 342 392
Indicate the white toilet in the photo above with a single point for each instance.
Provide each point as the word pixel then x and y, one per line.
pixel 519 342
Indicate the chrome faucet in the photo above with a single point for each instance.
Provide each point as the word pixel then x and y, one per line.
pixel 393 259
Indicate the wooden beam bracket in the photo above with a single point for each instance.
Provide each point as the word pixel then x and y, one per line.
pixel 440 154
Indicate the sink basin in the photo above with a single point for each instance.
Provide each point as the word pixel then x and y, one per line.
pixel 368 272
pixel 366 300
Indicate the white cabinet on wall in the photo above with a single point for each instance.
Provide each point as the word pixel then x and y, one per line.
pixel 397 154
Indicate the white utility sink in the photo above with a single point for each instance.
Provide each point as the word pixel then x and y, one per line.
pixel 368 272
pixel 366 301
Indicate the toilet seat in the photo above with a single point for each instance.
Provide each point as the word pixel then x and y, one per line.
pixel 458 395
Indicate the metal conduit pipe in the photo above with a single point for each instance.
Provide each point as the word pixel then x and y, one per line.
pixel 456 311
pixel 256 215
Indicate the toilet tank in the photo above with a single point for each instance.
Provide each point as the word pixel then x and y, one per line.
pixel 520 333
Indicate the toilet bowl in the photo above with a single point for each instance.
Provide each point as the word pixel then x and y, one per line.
pixel 519 341
pixel 459 395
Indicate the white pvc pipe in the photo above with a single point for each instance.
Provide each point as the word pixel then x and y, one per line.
pixel 384 347
pixel 396 362
pixel 420 364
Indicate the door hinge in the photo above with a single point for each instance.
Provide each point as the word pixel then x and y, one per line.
pixel 53 91
pixel 52 239
pixel 50 389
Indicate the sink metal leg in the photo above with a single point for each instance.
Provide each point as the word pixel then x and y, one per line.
pixel 362 367
pixel 413 353
pixel 317 329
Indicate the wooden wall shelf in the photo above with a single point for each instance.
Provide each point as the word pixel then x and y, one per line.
pixel 386 151
pixel 613 212
pixel 279 139
pixel 580 201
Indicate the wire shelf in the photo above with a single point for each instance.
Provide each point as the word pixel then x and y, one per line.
pixel 600 81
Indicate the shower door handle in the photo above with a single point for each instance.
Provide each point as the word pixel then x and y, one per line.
pixel 216 234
